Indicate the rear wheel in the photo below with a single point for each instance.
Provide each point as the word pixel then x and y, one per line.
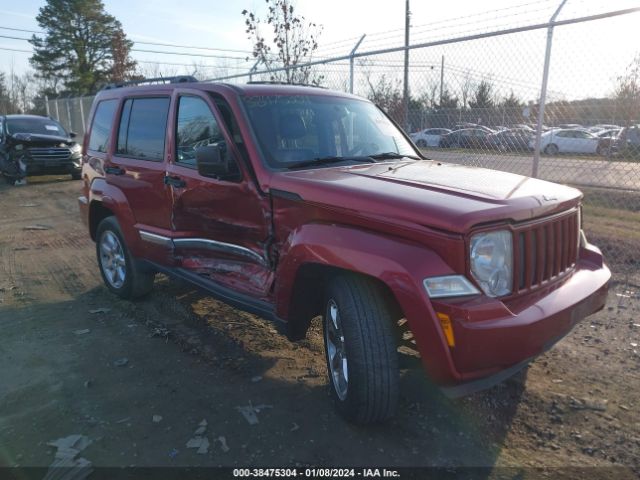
pixel 120 271
pixel 551 149
pixel 360 350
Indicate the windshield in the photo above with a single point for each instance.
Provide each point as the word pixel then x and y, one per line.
pixel 40 126
pixel 294 129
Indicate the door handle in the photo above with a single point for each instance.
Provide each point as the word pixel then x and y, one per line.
pixel 174 181
pixel 115 170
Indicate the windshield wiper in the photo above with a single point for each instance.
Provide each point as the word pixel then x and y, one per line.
pixel 392 156
pixel 327 160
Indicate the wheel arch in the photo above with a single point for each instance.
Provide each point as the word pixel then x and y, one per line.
pixel 307 300
pixel 105 200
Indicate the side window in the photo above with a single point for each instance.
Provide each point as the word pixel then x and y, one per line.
pixel 101 127
pixel 143 127
pixel 196 126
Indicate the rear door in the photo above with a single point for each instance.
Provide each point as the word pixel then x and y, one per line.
pixel 221 226
pixel 137 168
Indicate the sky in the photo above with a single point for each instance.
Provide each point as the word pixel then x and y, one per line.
pixel 586 59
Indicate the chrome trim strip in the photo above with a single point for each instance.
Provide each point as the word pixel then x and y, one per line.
pixel 220 247
pixel 155 238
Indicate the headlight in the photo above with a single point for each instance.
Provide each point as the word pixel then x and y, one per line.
pixel 492 262
pixel 76 149
pixel 449 286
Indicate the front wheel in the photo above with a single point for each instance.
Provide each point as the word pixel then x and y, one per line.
pixel 360 350
pixel 120 271
pixel 421 143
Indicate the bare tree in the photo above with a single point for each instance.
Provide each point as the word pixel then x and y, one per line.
pixel 466 88
pixel 627 92
pixel 294 40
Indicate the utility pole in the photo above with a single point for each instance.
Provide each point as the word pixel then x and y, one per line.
pixel 441 79
pixel 405 95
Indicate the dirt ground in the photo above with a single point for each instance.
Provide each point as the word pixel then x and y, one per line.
pixel 184 357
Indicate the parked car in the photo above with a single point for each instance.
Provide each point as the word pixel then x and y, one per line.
pixel 429 137
pixel 606 139
pixel 605 126
pixel 567 141
pixel 463 126
pixel 35 145
pixel 573 126
pixel 524 126
pixel 466 138
pixel 510 140
pixel 627 143
pixel 294 202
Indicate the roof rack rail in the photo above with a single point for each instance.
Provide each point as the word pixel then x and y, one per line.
pixel 162 80
pixel 275 82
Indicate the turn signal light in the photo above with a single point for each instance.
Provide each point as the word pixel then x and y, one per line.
pixel 447 328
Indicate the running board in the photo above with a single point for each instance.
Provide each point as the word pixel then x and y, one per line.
pixel 238 300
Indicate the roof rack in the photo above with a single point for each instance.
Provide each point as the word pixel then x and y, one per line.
pixel 161 80
pixel 275 82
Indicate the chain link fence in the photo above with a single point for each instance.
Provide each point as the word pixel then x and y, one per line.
pixel 558 100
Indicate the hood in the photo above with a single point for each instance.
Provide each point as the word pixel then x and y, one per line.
pixel 444 196
pixel 33 139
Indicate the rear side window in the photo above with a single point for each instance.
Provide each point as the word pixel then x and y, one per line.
pixel 143 126
pixel 102 120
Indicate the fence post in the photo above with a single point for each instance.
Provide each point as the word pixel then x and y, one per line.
pixel 57 110
pixel 543 91
pixel 353 51
pixel 46 105
pixel 82 113
pixel 70 125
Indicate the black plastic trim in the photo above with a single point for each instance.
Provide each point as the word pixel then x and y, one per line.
pixel 285 194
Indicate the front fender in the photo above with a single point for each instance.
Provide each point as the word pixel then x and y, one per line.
pixel 400 264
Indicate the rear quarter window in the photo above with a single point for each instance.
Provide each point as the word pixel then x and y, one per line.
pixel 101 127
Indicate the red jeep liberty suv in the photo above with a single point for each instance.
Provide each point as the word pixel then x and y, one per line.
pixel 294 202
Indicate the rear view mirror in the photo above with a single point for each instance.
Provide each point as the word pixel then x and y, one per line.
pixel 210 162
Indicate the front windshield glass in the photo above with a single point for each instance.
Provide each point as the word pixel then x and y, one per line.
pixel 39 126
pixel 294 129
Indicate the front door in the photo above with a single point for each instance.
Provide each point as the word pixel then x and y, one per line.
pixel 221 225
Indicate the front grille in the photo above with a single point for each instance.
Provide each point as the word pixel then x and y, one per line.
pixel 544 251
pixel 50 154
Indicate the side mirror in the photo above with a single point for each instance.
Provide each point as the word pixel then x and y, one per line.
pixel 73 134
pixel 210 162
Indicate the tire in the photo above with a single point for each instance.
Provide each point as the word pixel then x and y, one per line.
pixel 76 175
pixel 359 341
pixel 421 143
pixel 120 271
pixel 551 149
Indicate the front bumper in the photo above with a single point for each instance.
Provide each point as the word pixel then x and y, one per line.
pixel 492 336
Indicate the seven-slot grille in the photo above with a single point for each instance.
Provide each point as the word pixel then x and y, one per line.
pixel 50 154
pixel 544 251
